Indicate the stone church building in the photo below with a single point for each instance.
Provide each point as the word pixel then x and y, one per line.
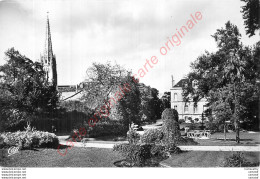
pixel 48 60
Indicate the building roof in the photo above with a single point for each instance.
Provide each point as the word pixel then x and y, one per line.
pixel 181 83
pixel 67 88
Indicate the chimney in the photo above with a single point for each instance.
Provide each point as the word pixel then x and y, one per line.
pixel 173 82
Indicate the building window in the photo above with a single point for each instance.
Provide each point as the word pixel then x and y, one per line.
pixel 186 108
pixel 175 107
pixel 175 97
pixel 194 109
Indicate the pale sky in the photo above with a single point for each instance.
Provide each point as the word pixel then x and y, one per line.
pixel 126 32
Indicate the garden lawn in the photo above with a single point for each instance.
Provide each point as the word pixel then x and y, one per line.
pixel 205 158
pixel 76 157
pixel 218 139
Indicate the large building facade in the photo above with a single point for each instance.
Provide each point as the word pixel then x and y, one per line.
pixel 187 110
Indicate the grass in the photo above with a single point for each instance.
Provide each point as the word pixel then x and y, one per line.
pixel 76 157
pixel 248 139
pixel 205 158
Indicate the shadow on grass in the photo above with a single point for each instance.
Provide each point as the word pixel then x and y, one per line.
pixel 234 139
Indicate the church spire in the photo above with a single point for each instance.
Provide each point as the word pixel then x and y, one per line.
pixel 48 58
pixel 48 53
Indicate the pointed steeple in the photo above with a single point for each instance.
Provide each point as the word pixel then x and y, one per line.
pixel 48 53
pixel 48 59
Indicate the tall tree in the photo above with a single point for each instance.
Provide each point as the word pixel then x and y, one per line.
pixel 156 103
pixel 222 78
pixel 101 82
pixel 251 15
pixel 128 107
pixel 24 89
pixel 166 100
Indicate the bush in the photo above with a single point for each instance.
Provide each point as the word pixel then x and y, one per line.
pixel 30 139
pixel 152 136
pixel 106 128
pixel 139 154
pixel 237 160
pixel 132 136
pixel 170 127
pixel 1 142
pixel 192 126
pixel 211 126
pixel 181 121
pixel 169 113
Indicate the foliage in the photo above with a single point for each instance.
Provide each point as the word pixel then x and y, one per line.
pixel 170 114
pixel 75 106
pixel 251 16
pixel 132 135
pixel 138 154
pixel 170 127
pixel 106 128
pixel 30 138
pixel 226 80
pixel 166 100
pixel 212 126
pixel 128 108
pixel 181 121
pixel 152 136
pixel 171 131
pixel 102 80
pixel 150 103
pixel 237 160
pixel 135 102
pixel 24 90
pixel 155 104
pixel 135 153
pixel 192 126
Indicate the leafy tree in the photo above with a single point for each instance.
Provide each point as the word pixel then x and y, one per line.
pixel 251 14
pixel 166 100
pixel 101 82
pixel 150 103
pixel 128 107
pixel 156 103
pixel 25 92
pixel 223 80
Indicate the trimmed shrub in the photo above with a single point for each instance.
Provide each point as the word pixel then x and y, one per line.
pixel 170 127
pixel 169 113
pixel 152 136
pixel 30 139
